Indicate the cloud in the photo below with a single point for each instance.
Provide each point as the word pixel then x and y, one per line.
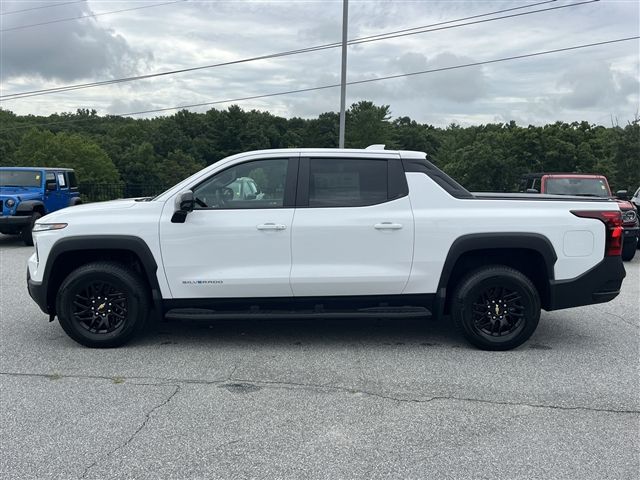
pixel 590 84
pixel 594 84
pixel 461 86
pixel 65 51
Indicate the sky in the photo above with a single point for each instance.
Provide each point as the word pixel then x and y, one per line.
pixel 600 85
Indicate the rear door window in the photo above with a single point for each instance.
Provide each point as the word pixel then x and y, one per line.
pixel 50 178
pixel 346 182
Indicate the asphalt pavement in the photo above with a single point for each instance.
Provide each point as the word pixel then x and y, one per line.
pixel 319 399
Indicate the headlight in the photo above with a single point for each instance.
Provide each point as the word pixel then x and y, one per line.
pixel 629 216
pixel 45 227
pixel 10 203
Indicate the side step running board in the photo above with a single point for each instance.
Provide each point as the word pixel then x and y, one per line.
pixel 375 312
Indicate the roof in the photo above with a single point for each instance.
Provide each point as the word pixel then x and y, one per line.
pixel 563 174
pixel 371 152
pixel 591 176
pixel 52 169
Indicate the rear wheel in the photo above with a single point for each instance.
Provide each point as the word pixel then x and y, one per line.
pixel 26 234
pixel 103 304
pixel 496 308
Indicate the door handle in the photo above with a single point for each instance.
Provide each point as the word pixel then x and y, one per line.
pixel 388 226
pixel 271 226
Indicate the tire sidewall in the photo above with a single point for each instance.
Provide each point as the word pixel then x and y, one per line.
pixel 27 234
pixel 135 309
pixel 473 287
pixel 629 249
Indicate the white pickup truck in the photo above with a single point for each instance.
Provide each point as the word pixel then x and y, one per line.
pixel 322 233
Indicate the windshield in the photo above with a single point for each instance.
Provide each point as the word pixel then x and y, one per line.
pixel 591 187
pixel 20 178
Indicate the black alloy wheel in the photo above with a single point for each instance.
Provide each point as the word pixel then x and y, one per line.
pixel 496 308
pixel 498 311
pixel 100 307
pixel 103 304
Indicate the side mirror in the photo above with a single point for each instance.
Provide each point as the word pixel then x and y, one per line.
pixel 532 190
pixel 51 186
pixel 184 204
pixel 622 195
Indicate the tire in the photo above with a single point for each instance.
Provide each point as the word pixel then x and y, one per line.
pixel 91 289
pixel 629 250
pixel 26 234
pixel 512 313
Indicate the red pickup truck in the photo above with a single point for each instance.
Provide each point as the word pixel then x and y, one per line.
pixel 582 184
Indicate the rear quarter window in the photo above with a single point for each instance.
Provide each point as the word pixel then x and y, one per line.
pixel 71 180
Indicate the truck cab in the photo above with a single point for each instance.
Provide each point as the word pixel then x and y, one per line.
pixel 28 193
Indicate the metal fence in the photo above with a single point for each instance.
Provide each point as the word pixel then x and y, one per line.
pixel 99 192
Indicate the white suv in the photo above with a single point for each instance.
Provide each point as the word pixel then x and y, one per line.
pixel 366 233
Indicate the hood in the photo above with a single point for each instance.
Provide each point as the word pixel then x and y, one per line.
pixel 20 193
pixel 87 209
pixel 624 205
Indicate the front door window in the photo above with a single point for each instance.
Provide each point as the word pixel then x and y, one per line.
pixel 259 184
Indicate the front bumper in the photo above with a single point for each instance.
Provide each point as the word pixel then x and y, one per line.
pixel 38 293
pixel 14 221
pixel 598 285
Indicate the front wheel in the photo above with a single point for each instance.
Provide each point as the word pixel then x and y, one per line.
pixel 496 308
pixel 26 234
pixel 103 304
pixel 629 249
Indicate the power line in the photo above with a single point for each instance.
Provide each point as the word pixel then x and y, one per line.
pixel 355 82
pixel 41 7
pixel 464 18
pixel 389 77
pixel 371 38
pixel 261 57
pixel 91 15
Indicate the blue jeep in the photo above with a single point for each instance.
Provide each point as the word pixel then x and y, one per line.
pixel 28 193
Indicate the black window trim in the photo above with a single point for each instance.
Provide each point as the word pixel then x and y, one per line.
pixel 445 182
pixel 397 186
pixel 289 198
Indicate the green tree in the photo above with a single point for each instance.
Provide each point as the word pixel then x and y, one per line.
pixel 176 167
pixel 70 150
pixel 367 124
pixel 140 165
pixel 165 149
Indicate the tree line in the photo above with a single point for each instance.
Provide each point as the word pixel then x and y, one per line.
pixel 163 150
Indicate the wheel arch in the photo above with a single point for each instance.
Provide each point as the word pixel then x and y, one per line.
pixel 68 254
pixel 29 206
pixel 530 253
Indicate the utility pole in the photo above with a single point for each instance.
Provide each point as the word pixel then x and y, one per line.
pixel 343 77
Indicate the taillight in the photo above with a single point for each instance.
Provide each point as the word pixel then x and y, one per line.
pixel 613 228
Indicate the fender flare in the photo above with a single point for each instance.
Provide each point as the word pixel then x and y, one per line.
pixel 75 201
pixel 490 241
pixel 29 205
pixel 130 243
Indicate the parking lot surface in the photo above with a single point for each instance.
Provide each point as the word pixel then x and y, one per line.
pixel 319 399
